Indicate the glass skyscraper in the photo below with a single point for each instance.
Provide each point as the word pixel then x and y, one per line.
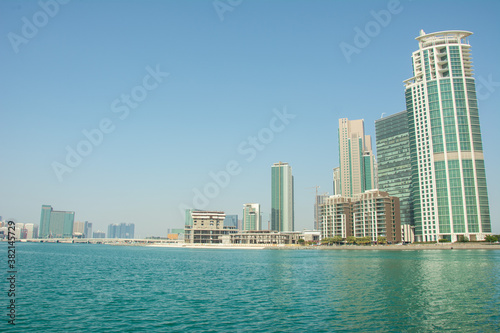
pixel 449 183
pixel 282 212
pixel 393 161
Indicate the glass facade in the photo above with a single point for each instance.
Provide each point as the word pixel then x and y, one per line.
pixel 282 211
pixel 394 162
pixel 251 217
pixel 56 224
pixel 449 194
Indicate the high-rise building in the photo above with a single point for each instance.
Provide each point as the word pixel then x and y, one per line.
pixel 393 161
pixel 56 224
pixel 449 191
pixel 282 211
pixel 122 230
pixel 357 163
pixel 251 217
pixel 88 229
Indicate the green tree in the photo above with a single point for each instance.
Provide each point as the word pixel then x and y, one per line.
pixel 382 240
pixel 490 238
pixel 363 240
pixel 350 240
pixel 326 241
pixel 337 239
pixel 301 241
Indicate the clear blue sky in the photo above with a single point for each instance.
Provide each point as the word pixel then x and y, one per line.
pixel 229 72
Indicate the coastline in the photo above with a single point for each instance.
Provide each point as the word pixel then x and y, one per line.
pixel 408 247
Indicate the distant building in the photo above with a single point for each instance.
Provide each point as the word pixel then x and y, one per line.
pixel 251 217
pixel 231 221
pixel 207 228
pixel 98 234
pixel 31 230
pixel 320 198
pixel 56 224
pixel 78 229
pixel 358 171
pixel 87 229
pixel 282 197
pixel 122 230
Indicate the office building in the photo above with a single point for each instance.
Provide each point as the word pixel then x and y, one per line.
pixel 393 161
pixel 56 224
pixel 251 217
pixel 282 200
pixel 357 162
pixel 449 192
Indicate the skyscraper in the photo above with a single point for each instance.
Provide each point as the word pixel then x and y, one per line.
pixel 393 161
pixel 449 191
pixel 282 212
pixel 251 217
pixel 357 162
pixel 56 224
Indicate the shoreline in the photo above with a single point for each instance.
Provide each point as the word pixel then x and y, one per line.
pixel 393 247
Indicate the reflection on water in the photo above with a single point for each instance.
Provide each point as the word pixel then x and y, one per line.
pixel 74 288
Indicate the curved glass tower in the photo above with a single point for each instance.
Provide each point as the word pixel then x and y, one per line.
pixel 449 191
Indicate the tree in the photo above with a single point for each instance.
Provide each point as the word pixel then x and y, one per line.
pixel 337 239
pixel 382 240
pixel 301 241
pixel 363 240
pixel 326 241
pixel 350 239
pixel 490 238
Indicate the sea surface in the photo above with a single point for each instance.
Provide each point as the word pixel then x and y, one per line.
pixel 104 288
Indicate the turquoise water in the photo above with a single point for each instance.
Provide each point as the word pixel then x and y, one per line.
pixel 101 288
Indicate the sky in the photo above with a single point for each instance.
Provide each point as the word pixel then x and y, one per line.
pixel 132 111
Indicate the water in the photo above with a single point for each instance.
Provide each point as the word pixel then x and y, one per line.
pixel 101 288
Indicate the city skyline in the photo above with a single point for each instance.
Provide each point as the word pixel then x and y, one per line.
pixel 267 93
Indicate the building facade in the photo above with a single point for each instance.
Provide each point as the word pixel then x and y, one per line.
pixel 449 190
pixel 357 162
pixel 394 162
pixel 251 217
pixel 375 213
pixel 282 197
pixel 207 228
pixel 122 230
pixel 371 214
pixel 231 221
pixel 56 224
pixel 336 217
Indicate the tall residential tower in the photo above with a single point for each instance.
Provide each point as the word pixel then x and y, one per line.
pixel 449 191
pixel 282 212
pixel 357 162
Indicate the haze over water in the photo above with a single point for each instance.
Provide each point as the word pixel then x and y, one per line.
pixel 76 288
